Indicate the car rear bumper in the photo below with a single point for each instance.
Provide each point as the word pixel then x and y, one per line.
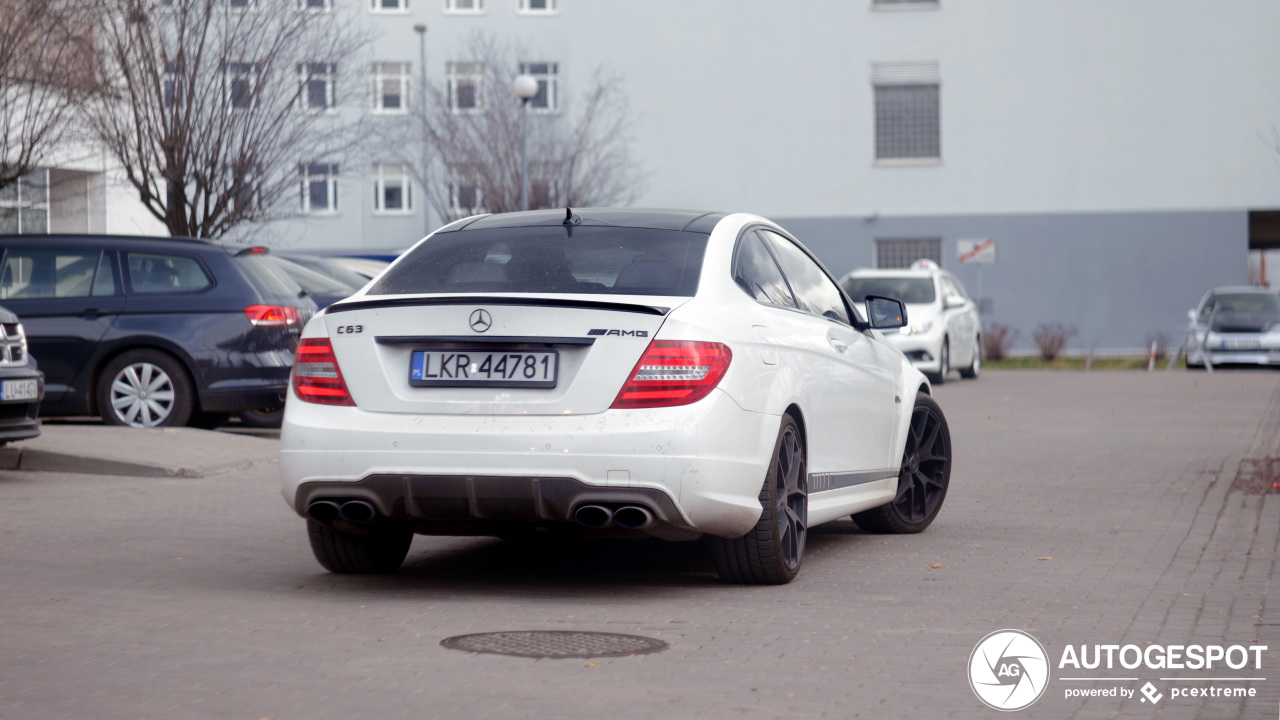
pixel 698 467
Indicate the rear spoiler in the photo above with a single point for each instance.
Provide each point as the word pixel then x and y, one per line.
pixel 483 300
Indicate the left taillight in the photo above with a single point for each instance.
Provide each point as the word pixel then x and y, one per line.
pixel 316 375
pixel 273 315
pixel 674 372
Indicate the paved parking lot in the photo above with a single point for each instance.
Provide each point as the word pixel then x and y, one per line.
pixel 1084 508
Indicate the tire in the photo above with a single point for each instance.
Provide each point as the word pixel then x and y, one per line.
pixel 923 478
pixel 377 553
pixel 771 553
pixel 944 363
pixel 145 388
pixel 268 417
pixel 975 368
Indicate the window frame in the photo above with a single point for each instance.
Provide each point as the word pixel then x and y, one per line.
pixel 330 79
pixel 548 86
pixel 21 206
pixel 231 74
pixel 376 8
pixel 856 320
pixel 379 189
pixel 552 8
pixel 406 81
pixel 451 8
pixel 93 279
pixel 326 7
pixel 329 178
pixel 733 266
pixel 905 160
pixel 452 78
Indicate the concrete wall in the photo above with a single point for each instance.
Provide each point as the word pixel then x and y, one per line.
pixel 1120 278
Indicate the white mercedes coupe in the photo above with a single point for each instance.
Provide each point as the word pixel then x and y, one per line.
pixel 608 373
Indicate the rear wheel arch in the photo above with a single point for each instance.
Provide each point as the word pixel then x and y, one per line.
pixel 183 360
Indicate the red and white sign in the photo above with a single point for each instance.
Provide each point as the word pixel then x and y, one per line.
pixel 976 251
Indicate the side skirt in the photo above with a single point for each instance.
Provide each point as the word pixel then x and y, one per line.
pixel 877 489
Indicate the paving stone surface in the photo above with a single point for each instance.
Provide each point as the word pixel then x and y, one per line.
pixel 1085 508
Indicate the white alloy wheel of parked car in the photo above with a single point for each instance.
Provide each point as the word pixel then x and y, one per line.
pixel 611 372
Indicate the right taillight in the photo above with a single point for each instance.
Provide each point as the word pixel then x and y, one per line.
pixel 674 372
pixel 316 376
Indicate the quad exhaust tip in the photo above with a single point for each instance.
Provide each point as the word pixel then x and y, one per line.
pixel 633 517
pixel 594 516
pixel 354 511
pixel 628 517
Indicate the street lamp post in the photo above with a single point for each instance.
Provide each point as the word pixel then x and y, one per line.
pixel 422 103
pixel 525 88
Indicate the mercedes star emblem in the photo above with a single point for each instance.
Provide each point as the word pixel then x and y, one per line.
pixel 481 320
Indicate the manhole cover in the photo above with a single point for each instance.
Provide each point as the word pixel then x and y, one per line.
pixel 555 644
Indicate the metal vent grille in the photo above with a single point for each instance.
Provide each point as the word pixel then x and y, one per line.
pixel 900 253
pixel 907 122
pixel 555 644
pixel 907 72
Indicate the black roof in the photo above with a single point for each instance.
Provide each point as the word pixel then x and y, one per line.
pixel 130 242
pixel 689 220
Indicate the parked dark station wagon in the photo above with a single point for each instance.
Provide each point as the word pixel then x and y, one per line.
pixel 153 331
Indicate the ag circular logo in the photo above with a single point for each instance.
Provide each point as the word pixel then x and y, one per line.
pixel 1008 670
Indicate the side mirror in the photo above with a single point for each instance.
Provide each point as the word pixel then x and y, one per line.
pixel 886 313
pixel 1191 315
pixel 951 302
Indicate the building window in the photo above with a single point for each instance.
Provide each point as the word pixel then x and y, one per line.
pixel 24 205
pixel 464 7
pixel 316 86
pixel 172 85
pixel 242 4
pixel 537 7
pixel 907 110
pixel 466 197
pixel 392 189
pixel 319 187
pixel 391 87
pixel 243 81
pixel 901 253
pixel 317 6
pixel 389 6
pixel 547 74
pixel 465 86
pixel 246 192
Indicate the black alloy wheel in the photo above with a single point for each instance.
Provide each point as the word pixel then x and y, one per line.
pixel 771 553
pixel 923 477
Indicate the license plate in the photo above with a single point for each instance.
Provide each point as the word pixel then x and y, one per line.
pixel 484 368
pixel 13 390
pixel 1241 344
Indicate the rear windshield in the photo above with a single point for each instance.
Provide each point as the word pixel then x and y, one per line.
pixel 591 260
pixel 267 279
pixel 1261 303
pixel 912 290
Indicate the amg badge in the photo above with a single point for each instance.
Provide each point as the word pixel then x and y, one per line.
pixel 625 333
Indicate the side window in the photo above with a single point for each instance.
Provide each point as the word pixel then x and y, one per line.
pixel 104 282
pixel 155 274
pixel 815 291
pixel 758 275
pixel 31 274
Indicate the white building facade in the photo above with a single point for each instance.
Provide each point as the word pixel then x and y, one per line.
pixel 1121 154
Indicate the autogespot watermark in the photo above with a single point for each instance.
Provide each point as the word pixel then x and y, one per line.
pixel 1009 670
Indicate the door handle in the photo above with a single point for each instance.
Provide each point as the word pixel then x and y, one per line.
pixel 93 313
pixel 837 343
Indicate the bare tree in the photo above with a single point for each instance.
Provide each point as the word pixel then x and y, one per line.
pixel 577 155
pixel 216 106
pixel 46 72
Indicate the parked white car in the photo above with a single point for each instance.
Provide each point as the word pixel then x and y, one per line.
pixel 945 331
pixel 1235 326
pixel 608 372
